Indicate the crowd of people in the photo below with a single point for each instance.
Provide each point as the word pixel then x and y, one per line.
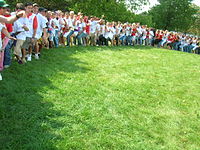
pixel 30 28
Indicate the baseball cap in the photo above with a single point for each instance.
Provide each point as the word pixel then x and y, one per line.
pixel 3 4
pixel 35 4
pixel 41 9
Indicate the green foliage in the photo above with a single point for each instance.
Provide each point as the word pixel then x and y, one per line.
pixel 49 4
pixel 144 19
pixel 102 98
pixel 195 26
pixel 113 10
pixel 173 15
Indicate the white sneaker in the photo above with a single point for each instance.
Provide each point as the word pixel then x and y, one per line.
pixel 29 58
pixel 36 56
pixel 1 78
pixel 6 66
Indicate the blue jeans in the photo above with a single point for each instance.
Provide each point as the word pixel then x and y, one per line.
pixel 80 37
pixel 56 38
pixel 7 53
pixel 123 39
pixel 176 46
pixel 129 40
pixel 190 47
pixel 68 37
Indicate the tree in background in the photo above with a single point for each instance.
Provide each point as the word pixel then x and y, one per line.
pixel 176 15
pixel 113 10
pixel 195 26
pixel 49 4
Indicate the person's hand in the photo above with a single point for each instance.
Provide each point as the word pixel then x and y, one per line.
pixel 33 40
pixel 12 38
pixel 20 14
pixel 25 28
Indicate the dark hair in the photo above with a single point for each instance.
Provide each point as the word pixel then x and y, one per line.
pixel 28 4
pixel 20 6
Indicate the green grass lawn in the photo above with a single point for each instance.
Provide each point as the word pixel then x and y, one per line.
pixel 96 98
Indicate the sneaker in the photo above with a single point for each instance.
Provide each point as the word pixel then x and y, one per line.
pixel 1 77
pixel 6 66
pixel 36 56
pixel 20 62
pixel 24 60
pixel 29 58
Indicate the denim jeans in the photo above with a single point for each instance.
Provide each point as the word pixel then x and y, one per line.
pixel 68 37
pixel 7 53
pixel 176 46
pixel 190 47
pixel 56 38
pixel 129 40
pixel 80 37
pixel 123 39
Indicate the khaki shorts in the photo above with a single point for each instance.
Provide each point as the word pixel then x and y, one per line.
pixel 29 42
pixel 18 47
pixel 40 41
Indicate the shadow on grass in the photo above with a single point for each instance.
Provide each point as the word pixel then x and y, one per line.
pixel 26 117
pixel 112 48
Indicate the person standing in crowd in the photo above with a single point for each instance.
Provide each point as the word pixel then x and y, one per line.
pixel 41 30
pixel 31 39
pixel 8 20
pixel 45 35
pixel 9 45
pixel 71 24
pixel 20 28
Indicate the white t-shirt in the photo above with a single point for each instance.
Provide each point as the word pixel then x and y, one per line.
pixel 61 22
pixel 93 26
pixel 102 30
pixel 139 30
pixel 70 22
pixel 151 34
pixel 18 28
pixel 82 26
pixel 128 31
pixel 30 26
pixel 109 33
pixel 42 23
pixel 1 27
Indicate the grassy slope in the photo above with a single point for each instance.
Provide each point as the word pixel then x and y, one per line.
pixel 102 98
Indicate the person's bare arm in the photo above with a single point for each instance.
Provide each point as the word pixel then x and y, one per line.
pixel 10 20
pixel 7 34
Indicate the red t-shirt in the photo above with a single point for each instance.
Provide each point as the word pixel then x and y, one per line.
pixel 160 36
pixel 87 29
pixel 8 27
pixel 170 38
pixel 134 32
pixel 148 33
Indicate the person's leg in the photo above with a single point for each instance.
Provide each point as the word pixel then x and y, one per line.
pixel 1 63
pixel 140 39
pixel 80 38
pixel 68 37
pixel 159 44
pixel 84 39
pixel 100 40
pixel 190 47
pixel 56 38
pixel 17 49
pixel 7 53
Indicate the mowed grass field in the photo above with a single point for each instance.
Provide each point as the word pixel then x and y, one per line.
pixel 102 98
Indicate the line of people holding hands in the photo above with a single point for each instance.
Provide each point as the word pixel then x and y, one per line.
pixel 30 28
